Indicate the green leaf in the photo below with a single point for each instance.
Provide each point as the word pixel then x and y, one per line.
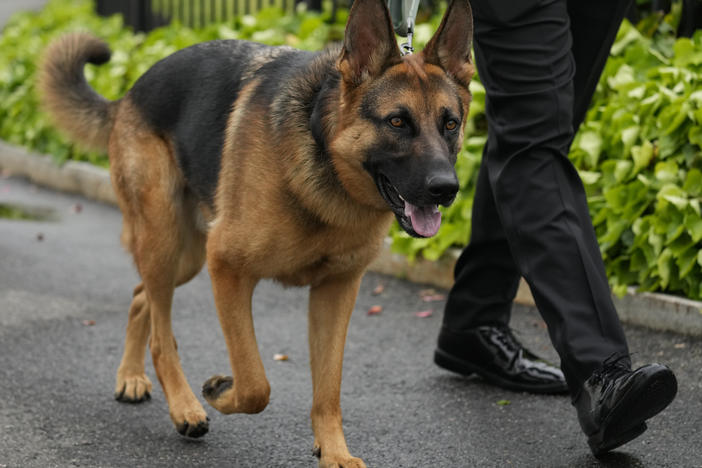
pixel 664 264
pixel 686 261
pixel 680 116
pixel 626 36
pixel 589 177
pixel 591 143
pixel 642 155
pixel 693 224
pixel 685 53
pixel 675 195
pixel 615 228
pixel 666 171
pixel 623 77
pixel 622 170
pixel 695 134
pixel 693 182
pixel 629 136
pixel 620 290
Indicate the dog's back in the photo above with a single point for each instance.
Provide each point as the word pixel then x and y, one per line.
pixel 189 96
pixel 185 98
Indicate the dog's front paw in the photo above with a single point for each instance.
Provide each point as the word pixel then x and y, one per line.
pixel 338 461
pixel 132 388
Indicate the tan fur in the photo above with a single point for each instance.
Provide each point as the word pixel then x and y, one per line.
pixel 160 229
pixel 84 115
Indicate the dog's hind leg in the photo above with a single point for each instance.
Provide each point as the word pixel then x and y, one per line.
pixel 248 391
pixel 331 304
pixel 133 386
pixel 167 249
pixel 165 260
pixel 158 274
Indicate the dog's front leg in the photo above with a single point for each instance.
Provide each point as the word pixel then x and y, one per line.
pixel 248 391
pixel 331 304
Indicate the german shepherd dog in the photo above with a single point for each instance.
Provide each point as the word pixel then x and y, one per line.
pixel 268 162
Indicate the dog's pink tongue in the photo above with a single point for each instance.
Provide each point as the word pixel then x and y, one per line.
pixel 425 219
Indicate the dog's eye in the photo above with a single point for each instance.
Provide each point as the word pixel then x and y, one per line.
pixel 451 125
pixel 396 122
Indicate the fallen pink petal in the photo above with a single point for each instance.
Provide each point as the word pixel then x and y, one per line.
pixel 433 297
pixel 378 289
pixel 424 313
pixel 375 310
pixel 88 323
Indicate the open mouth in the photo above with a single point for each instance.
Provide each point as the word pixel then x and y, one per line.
pixel 417 221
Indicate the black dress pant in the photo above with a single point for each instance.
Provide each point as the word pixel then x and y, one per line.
pixel 540 61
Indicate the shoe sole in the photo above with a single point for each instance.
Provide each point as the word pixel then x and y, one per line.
pixel 453 364
pixel 627 421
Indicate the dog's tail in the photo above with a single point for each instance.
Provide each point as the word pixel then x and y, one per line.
pixel 72 104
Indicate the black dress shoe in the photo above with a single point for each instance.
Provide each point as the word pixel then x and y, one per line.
pixel 494 353
pixel 615 401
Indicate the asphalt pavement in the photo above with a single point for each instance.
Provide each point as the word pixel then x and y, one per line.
pixel 65 287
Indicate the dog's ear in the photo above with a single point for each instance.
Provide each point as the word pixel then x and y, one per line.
pixel 450 46
pixel 369 42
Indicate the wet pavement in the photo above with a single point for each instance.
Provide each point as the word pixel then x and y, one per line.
pixel 65 287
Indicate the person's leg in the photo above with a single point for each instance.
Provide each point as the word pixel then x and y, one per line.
pixel 526 65
pixel 614 403
pixel 475 336
pixel 525 61
pixel 486 278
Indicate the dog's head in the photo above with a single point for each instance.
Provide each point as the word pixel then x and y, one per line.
pixel 401 120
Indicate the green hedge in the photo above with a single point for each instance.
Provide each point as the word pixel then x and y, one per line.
pixel 639 154
pixel 638 151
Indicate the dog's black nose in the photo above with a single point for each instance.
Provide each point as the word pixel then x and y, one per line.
pixel 442 187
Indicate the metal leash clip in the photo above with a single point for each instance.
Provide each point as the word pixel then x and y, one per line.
pixel 403 13
pixel 406 48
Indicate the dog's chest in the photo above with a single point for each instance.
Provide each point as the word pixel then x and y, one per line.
pixel 319 263
pixel 322 268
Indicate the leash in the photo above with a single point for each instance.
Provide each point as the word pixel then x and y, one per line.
pixel 403 14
